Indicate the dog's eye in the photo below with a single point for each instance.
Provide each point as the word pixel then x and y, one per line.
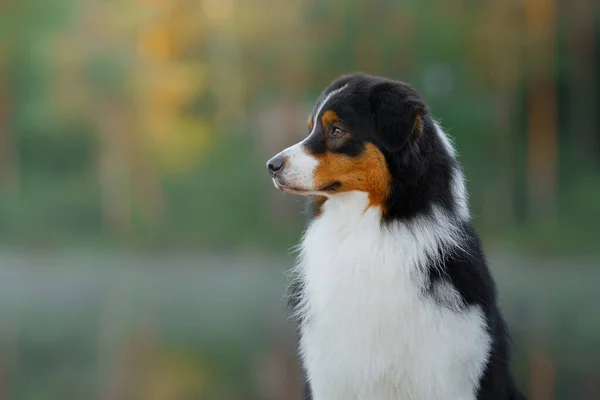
pixel 336 132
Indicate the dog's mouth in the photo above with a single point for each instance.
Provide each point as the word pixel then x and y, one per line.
pixel 286 187
pixel 330 187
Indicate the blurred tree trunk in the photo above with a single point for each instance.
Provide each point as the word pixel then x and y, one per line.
pixel 9 160
pixel 149 191
pixel 542 121
pixel 501 203
pixel 224 61
pixel 542 375
pixel 114 169
pixel 367 48
pixel 279 373
pixel 3 390
pixel 497 60
pixel 112 113
pixel 583 79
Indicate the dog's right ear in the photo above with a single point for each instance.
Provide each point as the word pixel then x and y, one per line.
pixel 397 112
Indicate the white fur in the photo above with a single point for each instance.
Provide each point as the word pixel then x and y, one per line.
pixel 300 167
pixel 445 140
pixel 369 331
pixel 459 190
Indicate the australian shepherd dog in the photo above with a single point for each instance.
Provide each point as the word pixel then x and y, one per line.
pixel 391 292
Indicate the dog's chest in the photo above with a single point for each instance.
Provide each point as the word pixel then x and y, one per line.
pixel 369 330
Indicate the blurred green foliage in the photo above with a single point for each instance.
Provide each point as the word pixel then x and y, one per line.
pixel 146 124
pixel 74 95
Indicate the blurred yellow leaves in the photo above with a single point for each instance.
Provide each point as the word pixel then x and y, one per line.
pixel 167 80
pixel 161 76
pixel 156 42
pixel 218 11
pixel 168 89
pixel 135 69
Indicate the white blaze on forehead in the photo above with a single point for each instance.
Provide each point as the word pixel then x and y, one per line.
pixel 323 103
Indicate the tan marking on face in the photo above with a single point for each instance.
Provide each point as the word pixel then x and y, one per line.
pixel 418 125
pixel 329 117
pixel 310 123
pixel 367 172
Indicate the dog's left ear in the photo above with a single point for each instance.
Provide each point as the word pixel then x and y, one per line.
pixel 398 113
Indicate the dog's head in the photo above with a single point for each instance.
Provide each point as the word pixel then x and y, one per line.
pixel 360 125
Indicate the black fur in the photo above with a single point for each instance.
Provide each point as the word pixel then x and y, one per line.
pixel 466 270
pixel 385 113
pixel 397 123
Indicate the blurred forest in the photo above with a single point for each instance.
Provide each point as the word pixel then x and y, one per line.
pixel 146 123
pixel 142 127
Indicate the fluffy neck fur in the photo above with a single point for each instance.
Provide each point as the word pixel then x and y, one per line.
pixel 345 220
pixel 368 319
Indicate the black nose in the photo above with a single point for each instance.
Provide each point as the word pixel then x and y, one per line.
pixel 275 164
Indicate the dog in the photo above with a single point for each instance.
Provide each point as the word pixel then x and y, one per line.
pixel 391 293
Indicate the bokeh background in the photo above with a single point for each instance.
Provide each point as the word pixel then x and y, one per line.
pixel 143 250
